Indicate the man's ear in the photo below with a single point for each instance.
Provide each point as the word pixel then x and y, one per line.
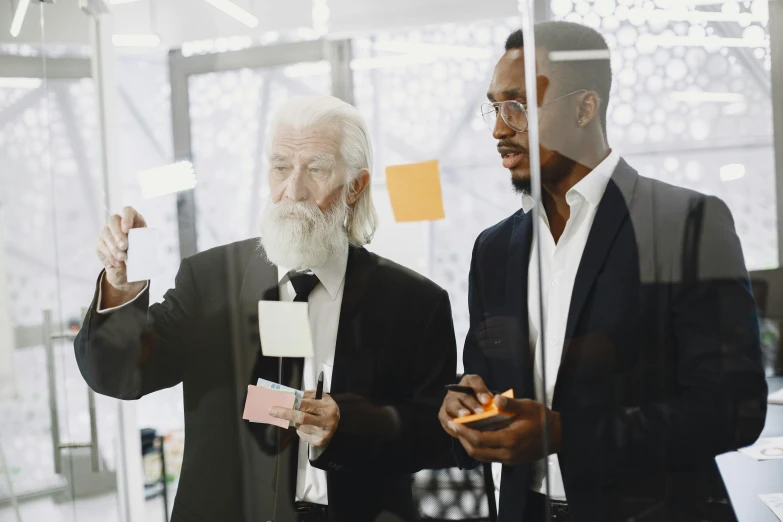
pixel 358 184
pixel 588 108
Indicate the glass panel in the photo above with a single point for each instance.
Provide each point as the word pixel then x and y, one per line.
pixel 39 380
pixel 657 195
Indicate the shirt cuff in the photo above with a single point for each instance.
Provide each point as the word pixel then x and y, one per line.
pixel 314 452
pixel 110 310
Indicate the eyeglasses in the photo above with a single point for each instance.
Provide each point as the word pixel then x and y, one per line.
pixel 514 114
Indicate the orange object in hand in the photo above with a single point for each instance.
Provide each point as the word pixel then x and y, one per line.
pixel 491 419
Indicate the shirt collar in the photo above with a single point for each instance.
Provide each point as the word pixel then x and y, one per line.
pixel 591 187
pixel 331 275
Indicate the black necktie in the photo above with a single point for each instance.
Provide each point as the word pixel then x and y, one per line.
pixel 303 284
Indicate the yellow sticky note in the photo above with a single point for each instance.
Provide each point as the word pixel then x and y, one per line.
pixel 414 190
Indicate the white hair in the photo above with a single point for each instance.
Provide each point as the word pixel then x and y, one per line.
pixel 307 112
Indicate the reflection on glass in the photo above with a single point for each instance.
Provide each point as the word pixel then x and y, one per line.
pixel 630 298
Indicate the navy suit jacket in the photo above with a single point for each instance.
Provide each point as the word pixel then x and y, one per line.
pixel 661 366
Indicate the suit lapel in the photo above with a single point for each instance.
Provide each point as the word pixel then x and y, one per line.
pixel 259 283
pixel 516 295
pixel 353 358
pixel 612 212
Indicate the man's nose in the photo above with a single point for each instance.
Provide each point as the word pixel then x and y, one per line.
pixel 502 130
pixel 296 189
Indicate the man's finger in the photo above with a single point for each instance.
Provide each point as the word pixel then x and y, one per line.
pixel 131 219
pixel 108 239
pixel 477 383
pixel 519 407
pixel 298 417
pixel 120 237
pixel 484 439
pixel 483 454
pixel 462 401
pixel 105 256
pixel 313 406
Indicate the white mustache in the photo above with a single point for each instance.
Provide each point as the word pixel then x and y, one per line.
pixel 301 235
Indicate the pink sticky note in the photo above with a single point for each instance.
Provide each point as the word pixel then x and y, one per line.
pixel 258 402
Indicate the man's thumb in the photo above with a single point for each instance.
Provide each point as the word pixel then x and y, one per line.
pixel 517 407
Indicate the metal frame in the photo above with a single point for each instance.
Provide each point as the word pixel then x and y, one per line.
pixel 776 74
pixel 181 67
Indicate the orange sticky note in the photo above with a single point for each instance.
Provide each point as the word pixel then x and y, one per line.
pixel 414 190
pixel 490 418
pixel 258 402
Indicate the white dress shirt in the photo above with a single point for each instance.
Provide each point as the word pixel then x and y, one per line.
pixel 323 309
pixel 559 264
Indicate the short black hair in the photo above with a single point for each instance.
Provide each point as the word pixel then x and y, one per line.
pixel 594 75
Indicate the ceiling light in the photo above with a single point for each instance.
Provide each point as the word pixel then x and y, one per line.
pixel 442 50
pixel 115 2
pixel 576 56
pixel 234 11
pixel 708 97
pixel 19 14
pixel 732 172
pixel 381 62
pixel 21 83
pixel 685 15
pixel 709 42
pixel 135 40
pixel 167 179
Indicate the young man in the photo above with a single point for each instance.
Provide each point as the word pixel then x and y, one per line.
pixel 386 332
pixel 645 317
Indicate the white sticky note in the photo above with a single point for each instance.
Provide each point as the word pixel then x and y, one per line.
pixel 285 329
pixel 142 259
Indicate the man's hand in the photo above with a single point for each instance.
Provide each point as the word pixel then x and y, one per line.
pixel 521 442
pixel 461 404
pixel 315 421
pixel 111 250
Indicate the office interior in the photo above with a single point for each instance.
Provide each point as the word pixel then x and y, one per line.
pixel 165 105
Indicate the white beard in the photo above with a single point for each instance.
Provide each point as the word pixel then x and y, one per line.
pixel 299 235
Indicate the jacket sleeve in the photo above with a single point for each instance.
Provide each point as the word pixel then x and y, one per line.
pixel 135 350
pixel 418 441
pixel 473 359
pixel 719 402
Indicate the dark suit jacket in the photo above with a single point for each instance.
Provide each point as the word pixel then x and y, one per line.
pixel 661 366
pixel 395 346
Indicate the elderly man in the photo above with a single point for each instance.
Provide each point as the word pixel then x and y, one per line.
pixel 350 454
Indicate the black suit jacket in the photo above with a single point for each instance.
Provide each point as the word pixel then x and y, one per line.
pixel 395 346
pixel 661 367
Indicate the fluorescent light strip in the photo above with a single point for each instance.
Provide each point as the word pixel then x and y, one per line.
pixel 708 97
pixel 20 83
pixel 457 51
pixel 234 11
pixel 380 62
pixel 19 14
pixel 576 56
pixel 167 179
pixel 711 41
pixel 115 2
pixel 683 15
pixel 135 40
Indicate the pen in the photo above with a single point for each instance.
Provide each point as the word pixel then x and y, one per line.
pixel 464 389
pixel 319 390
